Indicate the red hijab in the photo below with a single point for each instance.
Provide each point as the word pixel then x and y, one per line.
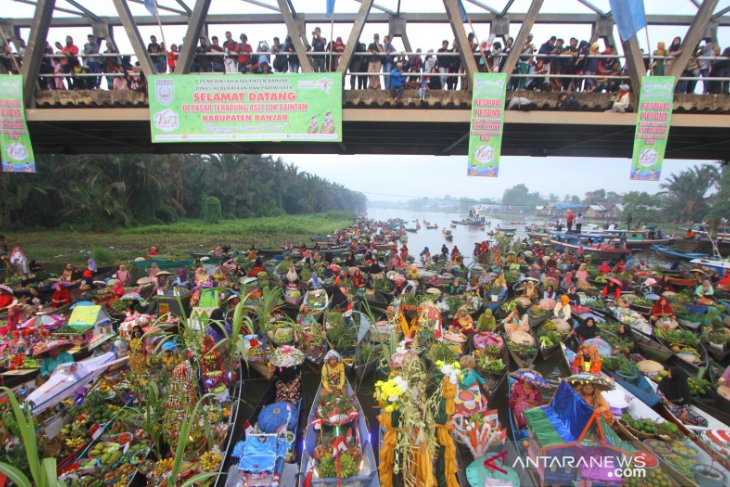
pixel 662 307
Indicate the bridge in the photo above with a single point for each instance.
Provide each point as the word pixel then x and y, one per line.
pixel 95 121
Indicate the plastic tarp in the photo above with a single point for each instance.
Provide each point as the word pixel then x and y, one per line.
pixel 568 413
pixel 274 417
pixel 260 453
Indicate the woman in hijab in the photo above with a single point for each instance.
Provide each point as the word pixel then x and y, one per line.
pixel 582 274
pixel 463 322
pixel 705 290
pixel 62 296
pixel 333 372
pixel 662 309
pixel 524 396
pixel 611 290
pixel 487 321
pixel 182 278
pixel 586 330
pixel 123 274
pixel 573 297
pixel 675 394
pixel 517 321
pixel 562 308
pixel 549 293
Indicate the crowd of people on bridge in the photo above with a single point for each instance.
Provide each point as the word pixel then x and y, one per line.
pixel 555 65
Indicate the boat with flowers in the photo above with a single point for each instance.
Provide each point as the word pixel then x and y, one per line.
pixel 337 445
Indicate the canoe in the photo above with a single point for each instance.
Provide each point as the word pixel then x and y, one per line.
pixel 276 471
pixel 672 253
pixel 377 300
pixel 522 362
pixel 650 348
pixel 64 382
pixel 494 380
pixel 365 368
pixel 367 475
pixel 317 300
pixel 165 262
pixel 520 435
pixel 641 388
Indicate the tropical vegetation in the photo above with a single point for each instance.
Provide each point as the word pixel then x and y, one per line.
pixel 102 192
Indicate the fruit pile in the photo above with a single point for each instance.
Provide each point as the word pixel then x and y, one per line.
pixel 118 474
pixel 107 452
pixel 646 426
pixel 100 407
pixel 682 465
pixel 654 478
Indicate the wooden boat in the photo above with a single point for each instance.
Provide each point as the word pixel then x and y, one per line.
pixel 520 435
pixel 376 299
pixel 522 362
pixel 494 380
pixel 546 353
pixel 365 366
pixel 166 262
pixel 645 243
pixel 65 381
pixel 650 348
pixel 672 253
pixel 470 222
pixel 281 471
pixel 293 296
pixel 602 252
pixel 317 300
pixel 368 468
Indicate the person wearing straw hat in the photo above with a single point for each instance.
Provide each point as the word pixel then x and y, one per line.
pixel 591 394
pixel 53 353
pixel 525 393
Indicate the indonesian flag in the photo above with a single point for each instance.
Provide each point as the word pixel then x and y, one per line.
pixel 339 445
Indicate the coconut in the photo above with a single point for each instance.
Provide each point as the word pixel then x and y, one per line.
pixel 522 338
pixel 649 367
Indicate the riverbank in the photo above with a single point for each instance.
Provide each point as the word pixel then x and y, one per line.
pixel 180 238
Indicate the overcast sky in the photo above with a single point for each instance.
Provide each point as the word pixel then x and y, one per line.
pixel 398 177
pixel 387 177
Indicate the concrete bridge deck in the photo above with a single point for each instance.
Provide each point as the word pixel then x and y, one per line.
pixel 118 121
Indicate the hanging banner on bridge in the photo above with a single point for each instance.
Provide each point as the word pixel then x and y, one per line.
pixel 17 152
pixel 487 121
pixel 224 108
pixel 652 127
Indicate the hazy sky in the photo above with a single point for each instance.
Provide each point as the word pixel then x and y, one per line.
pixel 398 177
pixel 382 177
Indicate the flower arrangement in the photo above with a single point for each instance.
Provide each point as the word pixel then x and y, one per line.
pixel 388 393
pixel 451 370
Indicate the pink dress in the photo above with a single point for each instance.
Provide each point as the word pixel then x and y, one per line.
pixel 519 401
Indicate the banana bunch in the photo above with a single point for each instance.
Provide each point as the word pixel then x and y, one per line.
pixel 163 466
pixel 75 443
pixel 210 461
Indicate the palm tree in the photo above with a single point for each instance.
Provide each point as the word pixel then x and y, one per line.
pixel 688 192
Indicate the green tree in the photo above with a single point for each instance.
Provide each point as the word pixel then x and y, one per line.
pixel 720 209
pixel 688 193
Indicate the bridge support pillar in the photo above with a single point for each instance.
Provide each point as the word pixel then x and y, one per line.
pixel 296 31
pixel 35 48
pixel 190 41
pixel 397 28
pixel 696 32
pixel 125 15
pixel 362 15
pixel 521 40
pixel 462 42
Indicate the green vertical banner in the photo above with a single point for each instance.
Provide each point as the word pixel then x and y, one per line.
pixel 17 152
pixel 224 108
pixel 652 127
pixel 487 121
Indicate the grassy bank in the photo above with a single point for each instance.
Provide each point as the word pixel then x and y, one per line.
pixel 179 238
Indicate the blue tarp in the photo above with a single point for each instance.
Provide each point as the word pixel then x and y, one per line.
pixel 568 413
pixel 569 206
pixel 259 453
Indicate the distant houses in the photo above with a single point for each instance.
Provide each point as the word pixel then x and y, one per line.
pixel 604 211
